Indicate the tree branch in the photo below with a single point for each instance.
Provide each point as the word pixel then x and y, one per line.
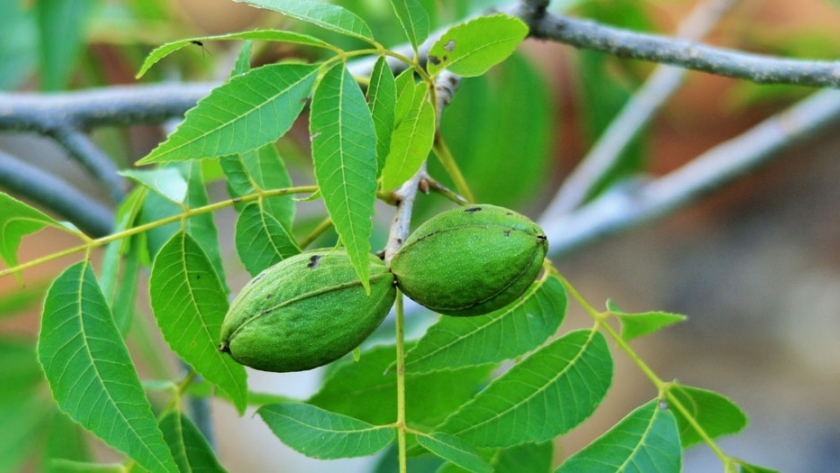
pixel 632 205
pixel 678 52
pixel 92 158
pixel 90 216
pixel 637 113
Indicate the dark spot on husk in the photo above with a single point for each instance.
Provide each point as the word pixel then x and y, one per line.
pixel 268 296
pixel 313 261
pixel 542 237
pixel 472 210
pixel 507 233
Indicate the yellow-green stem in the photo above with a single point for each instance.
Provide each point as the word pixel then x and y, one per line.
pixel 91 244
pixel 662 387
pixel 401 427
pixel 451 167
pixel 323 226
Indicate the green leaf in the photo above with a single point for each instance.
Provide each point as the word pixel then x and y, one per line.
pixel 201 227
pixel 344 153
pixel 268 35
pixel 188 446
pixel 414 20
pixel 262 241
pixel 455 342
pixel 61 24
pixel 645 441
pixel 545 395
pixel 472 48
pixel 66 440
pixel 530 457
pixel 327 16
pixel 18 44
pixel 317 433
pixel 189 304
pixel 16 221
pixel 90 372
pixel 644 323
pixel 382 98
pixel 243 59
pixel 261 169
pixel 715 414
pixel 480 133
pixel 412 138
pixel 455 450
pixel 167 181
pixel 246 112
pixel 365 391
pixel 749 468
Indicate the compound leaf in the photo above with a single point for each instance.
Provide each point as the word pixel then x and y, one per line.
pixel 344 153
pixel 246 112
pixel 646 440
pixel 545 395
pixel 472 48
pixel 500 335
pixel 455 450
pixel 90 372
pixel 317 433
pixel 189 447
pixel 327 16
pixel 189 304
pixel 715 414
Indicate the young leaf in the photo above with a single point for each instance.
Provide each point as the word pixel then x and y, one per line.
pixel 645 441
pixel 246 112
pixel 243 59
pixel 69 466
pixel 268 35
pixel 261 241
pixel 261 169
pixel 189 304
pixel 472 48
pixel 382 98
pixel 716 414
pixel 327 16
pixel 636 325
pixel 413 19
pixel 168 182
pixel 90 372
pixel 16 221
pixel 547 394
pixel 344 153
pixel 189 447
pixel 455 450
pixel 411 140
pixel 365 391
pixel 455 342
pixel 61 24
pixel 317 433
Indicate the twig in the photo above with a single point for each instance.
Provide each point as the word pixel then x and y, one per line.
pixel 90 216
pixel 632 205
pixel 638 111
pixel 92 158
pixel 404 197
pixel 648 47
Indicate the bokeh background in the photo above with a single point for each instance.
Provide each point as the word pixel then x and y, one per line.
pixel 756 267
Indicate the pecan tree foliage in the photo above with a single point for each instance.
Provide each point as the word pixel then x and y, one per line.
pixel 380 128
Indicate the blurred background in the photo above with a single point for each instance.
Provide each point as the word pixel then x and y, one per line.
pixel 756 267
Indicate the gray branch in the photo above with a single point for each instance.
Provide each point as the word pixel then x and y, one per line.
pixel 688 54
pixel 633 205
pixel 92 158
pixel 637 113
pixel 90 216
